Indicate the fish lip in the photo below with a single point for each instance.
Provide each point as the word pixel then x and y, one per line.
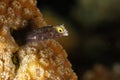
pixel 66 33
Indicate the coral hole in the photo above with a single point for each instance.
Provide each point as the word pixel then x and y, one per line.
pixel 20 35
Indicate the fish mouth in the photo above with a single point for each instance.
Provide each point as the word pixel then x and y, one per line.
pixel 65 33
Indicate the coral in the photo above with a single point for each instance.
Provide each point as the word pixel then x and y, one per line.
pixel 44 60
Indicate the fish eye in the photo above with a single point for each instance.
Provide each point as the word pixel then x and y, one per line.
pixel 60 30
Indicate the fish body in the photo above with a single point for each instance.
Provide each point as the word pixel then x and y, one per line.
pixel 47 32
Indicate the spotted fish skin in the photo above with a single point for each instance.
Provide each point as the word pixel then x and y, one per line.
pixel 45 33
pixel 15 13
pixel 40 34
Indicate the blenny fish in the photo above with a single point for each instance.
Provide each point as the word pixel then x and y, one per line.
pixel 47 32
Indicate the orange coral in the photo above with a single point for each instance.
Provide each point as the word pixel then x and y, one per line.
pixel 15 13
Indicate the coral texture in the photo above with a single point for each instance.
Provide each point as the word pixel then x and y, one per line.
pixel 44 60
